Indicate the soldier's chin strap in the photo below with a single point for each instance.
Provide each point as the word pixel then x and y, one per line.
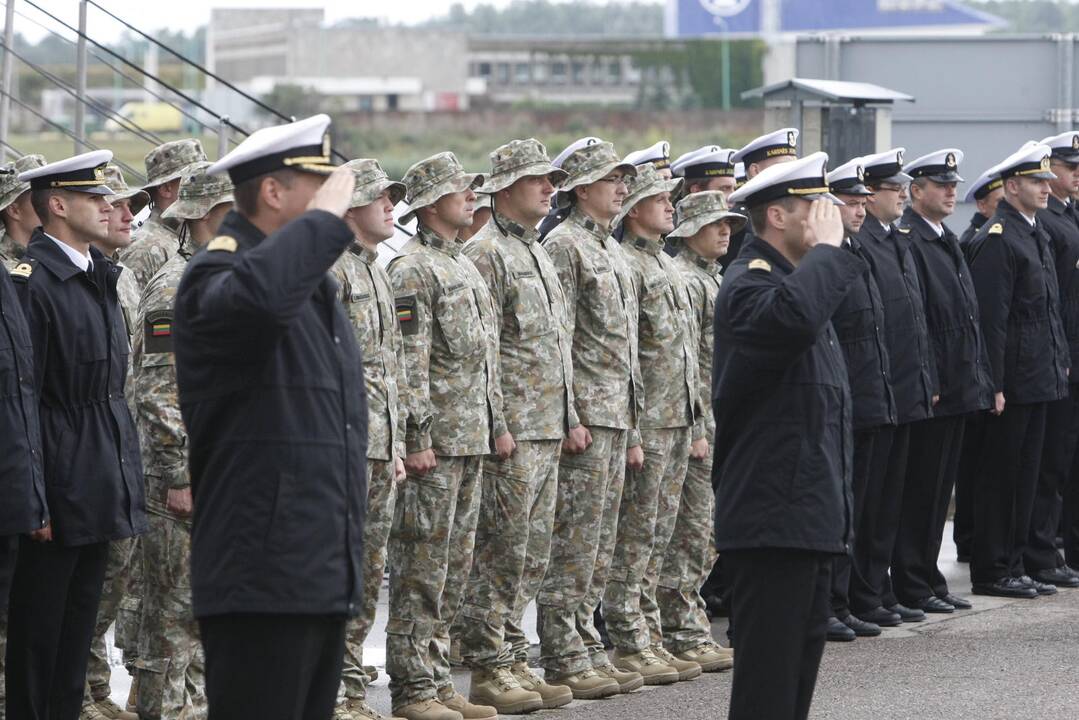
pixel 402 229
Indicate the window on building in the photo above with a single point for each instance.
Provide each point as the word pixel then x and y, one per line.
pixel 558 72
pixel 483 70
pixel 365 103
pixel 614 72
pixel 522 73
pixel 539 72
pixel 391 101
pixel 598 72
pixel 578 72
pixel 502 73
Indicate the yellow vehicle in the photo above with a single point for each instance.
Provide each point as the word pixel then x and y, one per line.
pixel 152 117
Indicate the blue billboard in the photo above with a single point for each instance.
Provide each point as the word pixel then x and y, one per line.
pixel 694 18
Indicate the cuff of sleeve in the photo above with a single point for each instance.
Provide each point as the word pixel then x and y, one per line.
pixel 698 431
pixel 499 426
pixel 634 438
pixel 177 478
pixel 417 441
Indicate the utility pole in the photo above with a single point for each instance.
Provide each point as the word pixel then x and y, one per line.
pixel 6 73
pixel 80 72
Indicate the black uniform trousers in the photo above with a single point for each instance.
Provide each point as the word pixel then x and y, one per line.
pixel 9 551
pixel 933 459
pixel 1058 479
pixel 272 667
pixel 876 532
pixel 780 602
pixel 868 445
pixel 1005 499
pixel 967 483
pixel 54 599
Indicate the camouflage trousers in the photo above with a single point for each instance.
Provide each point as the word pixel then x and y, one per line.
pixel 170 667
pixel 380 501
pixel 646 522
pixel 690 556
pixel 430 557
pixel 118 579
pixel 582 545
pixel 513 542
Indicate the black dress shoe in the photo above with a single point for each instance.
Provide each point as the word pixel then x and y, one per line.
pixel 1040 587
pixel 716 606
pixel 906 614
pixel 1008 587
pixel 955 601
pixel 860 627
pixel 934 604
pixel 1063 577
pixel 881 617
pixel 838 631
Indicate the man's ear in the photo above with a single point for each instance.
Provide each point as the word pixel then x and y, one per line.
pixel 271 192
pixel 58 204
pixel 777 216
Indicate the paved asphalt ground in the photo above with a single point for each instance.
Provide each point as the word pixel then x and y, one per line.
pixel 1006 660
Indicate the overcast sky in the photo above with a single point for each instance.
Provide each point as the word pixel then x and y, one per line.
pixel 188 14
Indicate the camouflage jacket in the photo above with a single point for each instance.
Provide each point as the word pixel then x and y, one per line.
pixel 157 416
pixel 666 350
pixel 450 332
pixel 603 319
pixel 702 281
pixel 129 291
pixel 155 242
pixel 534 340
pixel 10 251
pixel 368 299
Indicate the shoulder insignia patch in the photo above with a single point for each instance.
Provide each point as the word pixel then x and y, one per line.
pixel 759 264
pixel 157 333
pixel 226 243
pixel 997 229
pixel 903 230
pixel 405 306
pixel 22 270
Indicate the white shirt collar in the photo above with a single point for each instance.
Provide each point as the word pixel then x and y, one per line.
pixel 1030 219
pixel 938 229
pixel 82 262
pixel 887 226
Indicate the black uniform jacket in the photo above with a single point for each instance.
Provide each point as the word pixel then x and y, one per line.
pixel 1016 281
pixel 913 372
pixel 93 469
pixel 271 391
pixel 951 309
pixel 22 479
pixel 859 324
pixel 976 222
pixel 782 470
pixel 1059 223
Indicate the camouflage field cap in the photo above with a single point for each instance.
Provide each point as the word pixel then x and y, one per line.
pixel 646 183
pixel 114 178
pixel 372 181
pixel 483 200
pixel 10 187
pixel 433 178
pixel 168 161
pixel 517 159
pixel 588 164
pixel 699 209
pixel 199 193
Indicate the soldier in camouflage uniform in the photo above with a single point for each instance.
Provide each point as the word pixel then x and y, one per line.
pixel 703 233
pixel 121 573
pixel 156 241
pixel 652 494
pixel 368 298
pixel 518 497
pixel 609 400
pixel 170 665
pixel 454 400
pixel 17 222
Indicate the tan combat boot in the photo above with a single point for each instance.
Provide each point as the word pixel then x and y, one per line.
pixel 628 681
pixel 430 709
pixel 553 695
pixel 456 701
pixel 710 656
pixel 89 711
pixel 499 688
pixel 358 709
pixel 687 669
pixel 587 684
pixel 108 709
pixel 652 669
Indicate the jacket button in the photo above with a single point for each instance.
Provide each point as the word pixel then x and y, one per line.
pixel 336 340
pixel 348 426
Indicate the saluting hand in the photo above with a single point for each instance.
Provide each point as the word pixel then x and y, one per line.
pixel 335 195
pixel 824 225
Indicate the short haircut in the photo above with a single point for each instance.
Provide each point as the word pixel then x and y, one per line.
pixel 758 215
pixel 39 200
pixel 246 194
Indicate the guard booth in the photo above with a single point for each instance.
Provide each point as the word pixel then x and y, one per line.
pixel 844 119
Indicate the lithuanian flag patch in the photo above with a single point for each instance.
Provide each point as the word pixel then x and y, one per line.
pixel 406 314
pixel 157 333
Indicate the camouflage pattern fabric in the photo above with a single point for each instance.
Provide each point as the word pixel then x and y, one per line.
pixel 154 243
pixel 450 332
pixel 169 161
pixel 690 552
pixel 589 483
pixel 433 178
pixel 429 554
pixel 507 533
pixel 369 300
pixel 381 495
pixel 98 672
pixel 10 251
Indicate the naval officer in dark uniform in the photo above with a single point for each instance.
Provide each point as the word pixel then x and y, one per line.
pixel 782 472
pixel 271 390
pixel 93 471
